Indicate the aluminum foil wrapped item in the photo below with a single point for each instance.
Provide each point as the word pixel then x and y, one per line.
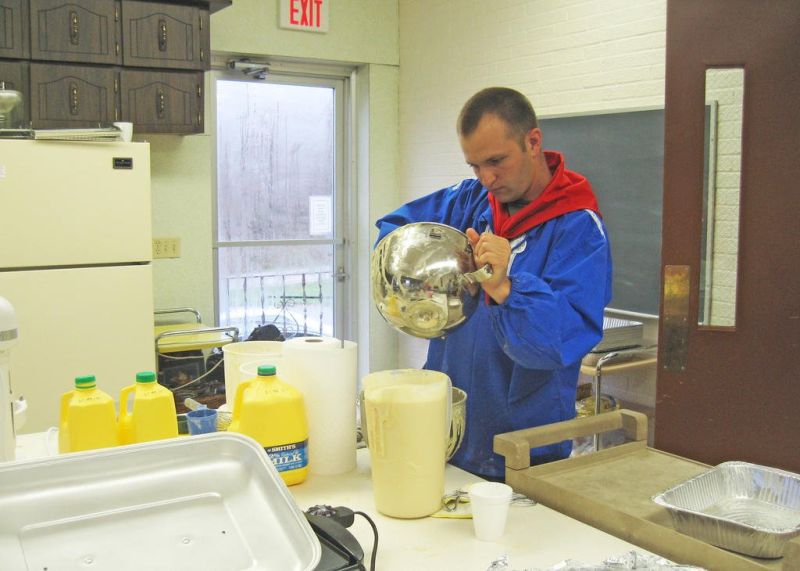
pixel 631 560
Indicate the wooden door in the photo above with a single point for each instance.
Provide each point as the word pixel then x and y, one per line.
pixel 14 29
pixel 165 36
pixel 733 392
pixel 86 31
pixel 73 96
pixel 163 101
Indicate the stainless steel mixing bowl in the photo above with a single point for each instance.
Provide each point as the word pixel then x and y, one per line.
pixel 424 279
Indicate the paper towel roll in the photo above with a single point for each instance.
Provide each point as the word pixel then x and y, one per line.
pixel 326 373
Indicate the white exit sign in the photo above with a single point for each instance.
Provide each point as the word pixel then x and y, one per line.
pixel 307 15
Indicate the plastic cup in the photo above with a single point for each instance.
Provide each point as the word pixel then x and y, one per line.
pixel 126 130
pixel 489 501
pixel 202 420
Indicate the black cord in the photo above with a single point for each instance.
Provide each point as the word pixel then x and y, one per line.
pixel 374 543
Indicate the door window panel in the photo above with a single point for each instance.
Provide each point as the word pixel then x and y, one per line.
pixel 289 286
pixel 275 155
pixel 278 237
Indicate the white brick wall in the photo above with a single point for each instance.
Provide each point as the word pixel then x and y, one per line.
pixel 726 88
pixel 568 56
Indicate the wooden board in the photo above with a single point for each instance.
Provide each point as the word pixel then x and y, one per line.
pixel 612 489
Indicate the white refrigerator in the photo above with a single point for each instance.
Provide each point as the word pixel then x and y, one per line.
pixel 75 262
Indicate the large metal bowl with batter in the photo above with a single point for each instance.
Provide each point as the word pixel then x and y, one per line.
pixel 424 279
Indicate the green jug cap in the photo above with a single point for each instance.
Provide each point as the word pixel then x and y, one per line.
pixel 266 370
pixel 145 377
pixel 85 382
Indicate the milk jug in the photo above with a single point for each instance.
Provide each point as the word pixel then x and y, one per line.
pixel 153 416
pixel 274 415
pixel 87 419
pixel 407 430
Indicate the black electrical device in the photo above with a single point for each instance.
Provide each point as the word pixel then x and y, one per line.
pixel 340 550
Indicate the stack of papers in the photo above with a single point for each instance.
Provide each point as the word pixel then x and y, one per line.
pixel 99 134
pixel 619 334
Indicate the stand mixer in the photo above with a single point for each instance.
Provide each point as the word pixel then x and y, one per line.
pixel 8 408
pixel 10 104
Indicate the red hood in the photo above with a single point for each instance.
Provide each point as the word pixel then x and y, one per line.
pixel 566 192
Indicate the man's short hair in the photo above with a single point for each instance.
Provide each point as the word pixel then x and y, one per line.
pixel 509 105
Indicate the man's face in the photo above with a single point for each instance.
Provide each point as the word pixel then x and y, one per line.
pixel 500 163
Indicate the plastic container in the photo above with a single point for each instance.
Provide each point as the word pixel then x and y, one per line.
pixel 408 430
pixel 88 418
pixel 254 352
pixel 273 414
pixel 153 415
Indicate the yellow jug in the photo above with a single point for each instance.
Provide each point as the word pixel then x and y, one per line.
pixel 87 419
pixel 153 415
pixel 273 414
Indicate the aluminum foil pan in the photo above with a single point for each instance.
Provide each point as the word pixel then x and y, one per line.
pixel 743 507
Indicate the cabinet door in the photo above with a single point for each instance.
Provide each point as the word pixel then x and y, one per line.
pixel 14 74
pixel 164 35
pixel 162 102
pixel 85 32
pixel 14 29
pixel 72 96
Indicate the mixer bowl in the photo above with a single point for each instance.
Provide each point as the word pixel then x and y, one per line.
pixel 458 422
pixel 423 278
pixel 10 106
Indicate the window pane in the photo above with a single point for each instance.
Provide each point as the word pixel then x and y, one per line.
pixel 723 157
pixel 275 161
pixel 290 286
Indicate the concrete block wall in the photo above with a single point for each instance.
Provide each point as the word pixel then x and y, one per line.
pixel 725 87
pixel 567 56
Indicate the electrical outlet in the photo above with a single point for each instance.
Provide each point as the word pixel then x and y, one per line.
pixel 166 248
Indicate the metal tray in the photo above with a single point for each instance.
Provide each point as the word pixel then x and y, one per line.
pixel 743 507
pixel 213 501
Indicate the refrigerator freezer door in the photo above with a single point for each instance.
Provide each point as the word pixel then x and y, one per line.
pixel 70 203
pixel 81 321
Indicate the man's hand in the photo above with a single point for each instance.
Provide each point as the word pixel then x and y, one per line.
pixel 487 248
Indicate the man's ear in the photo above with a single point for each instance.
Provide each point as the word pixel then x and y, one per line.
pixel 534 141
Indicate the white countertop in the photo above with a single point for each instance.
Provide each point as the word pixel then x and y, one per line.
pixel 535 536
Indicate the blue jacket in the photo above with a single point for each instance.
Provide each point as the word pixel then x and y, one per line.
pixel 519 361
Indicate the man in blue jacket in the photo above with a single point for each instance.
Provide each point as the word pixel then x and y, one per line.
pixel 538 225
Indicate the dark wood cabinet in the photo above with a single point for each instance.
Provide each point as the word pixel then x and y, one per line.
pixel 14 29
pixel 163 102
pixel 165 36
pixel 64 96
pixel 92 62
pixel 85 32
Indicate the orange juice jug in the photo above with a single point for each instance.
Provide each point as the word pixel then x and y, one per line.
pixel 273 414
pixel 152 416
pixel 88 418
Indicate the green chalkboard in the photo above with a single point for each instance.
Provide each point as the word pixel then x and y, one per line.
pixel 622 155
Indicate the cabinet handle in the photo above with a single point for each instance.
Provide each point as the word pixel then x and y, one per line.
pixel 74 108
pixel 161 103
pixel 162 35
pixel 74 28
